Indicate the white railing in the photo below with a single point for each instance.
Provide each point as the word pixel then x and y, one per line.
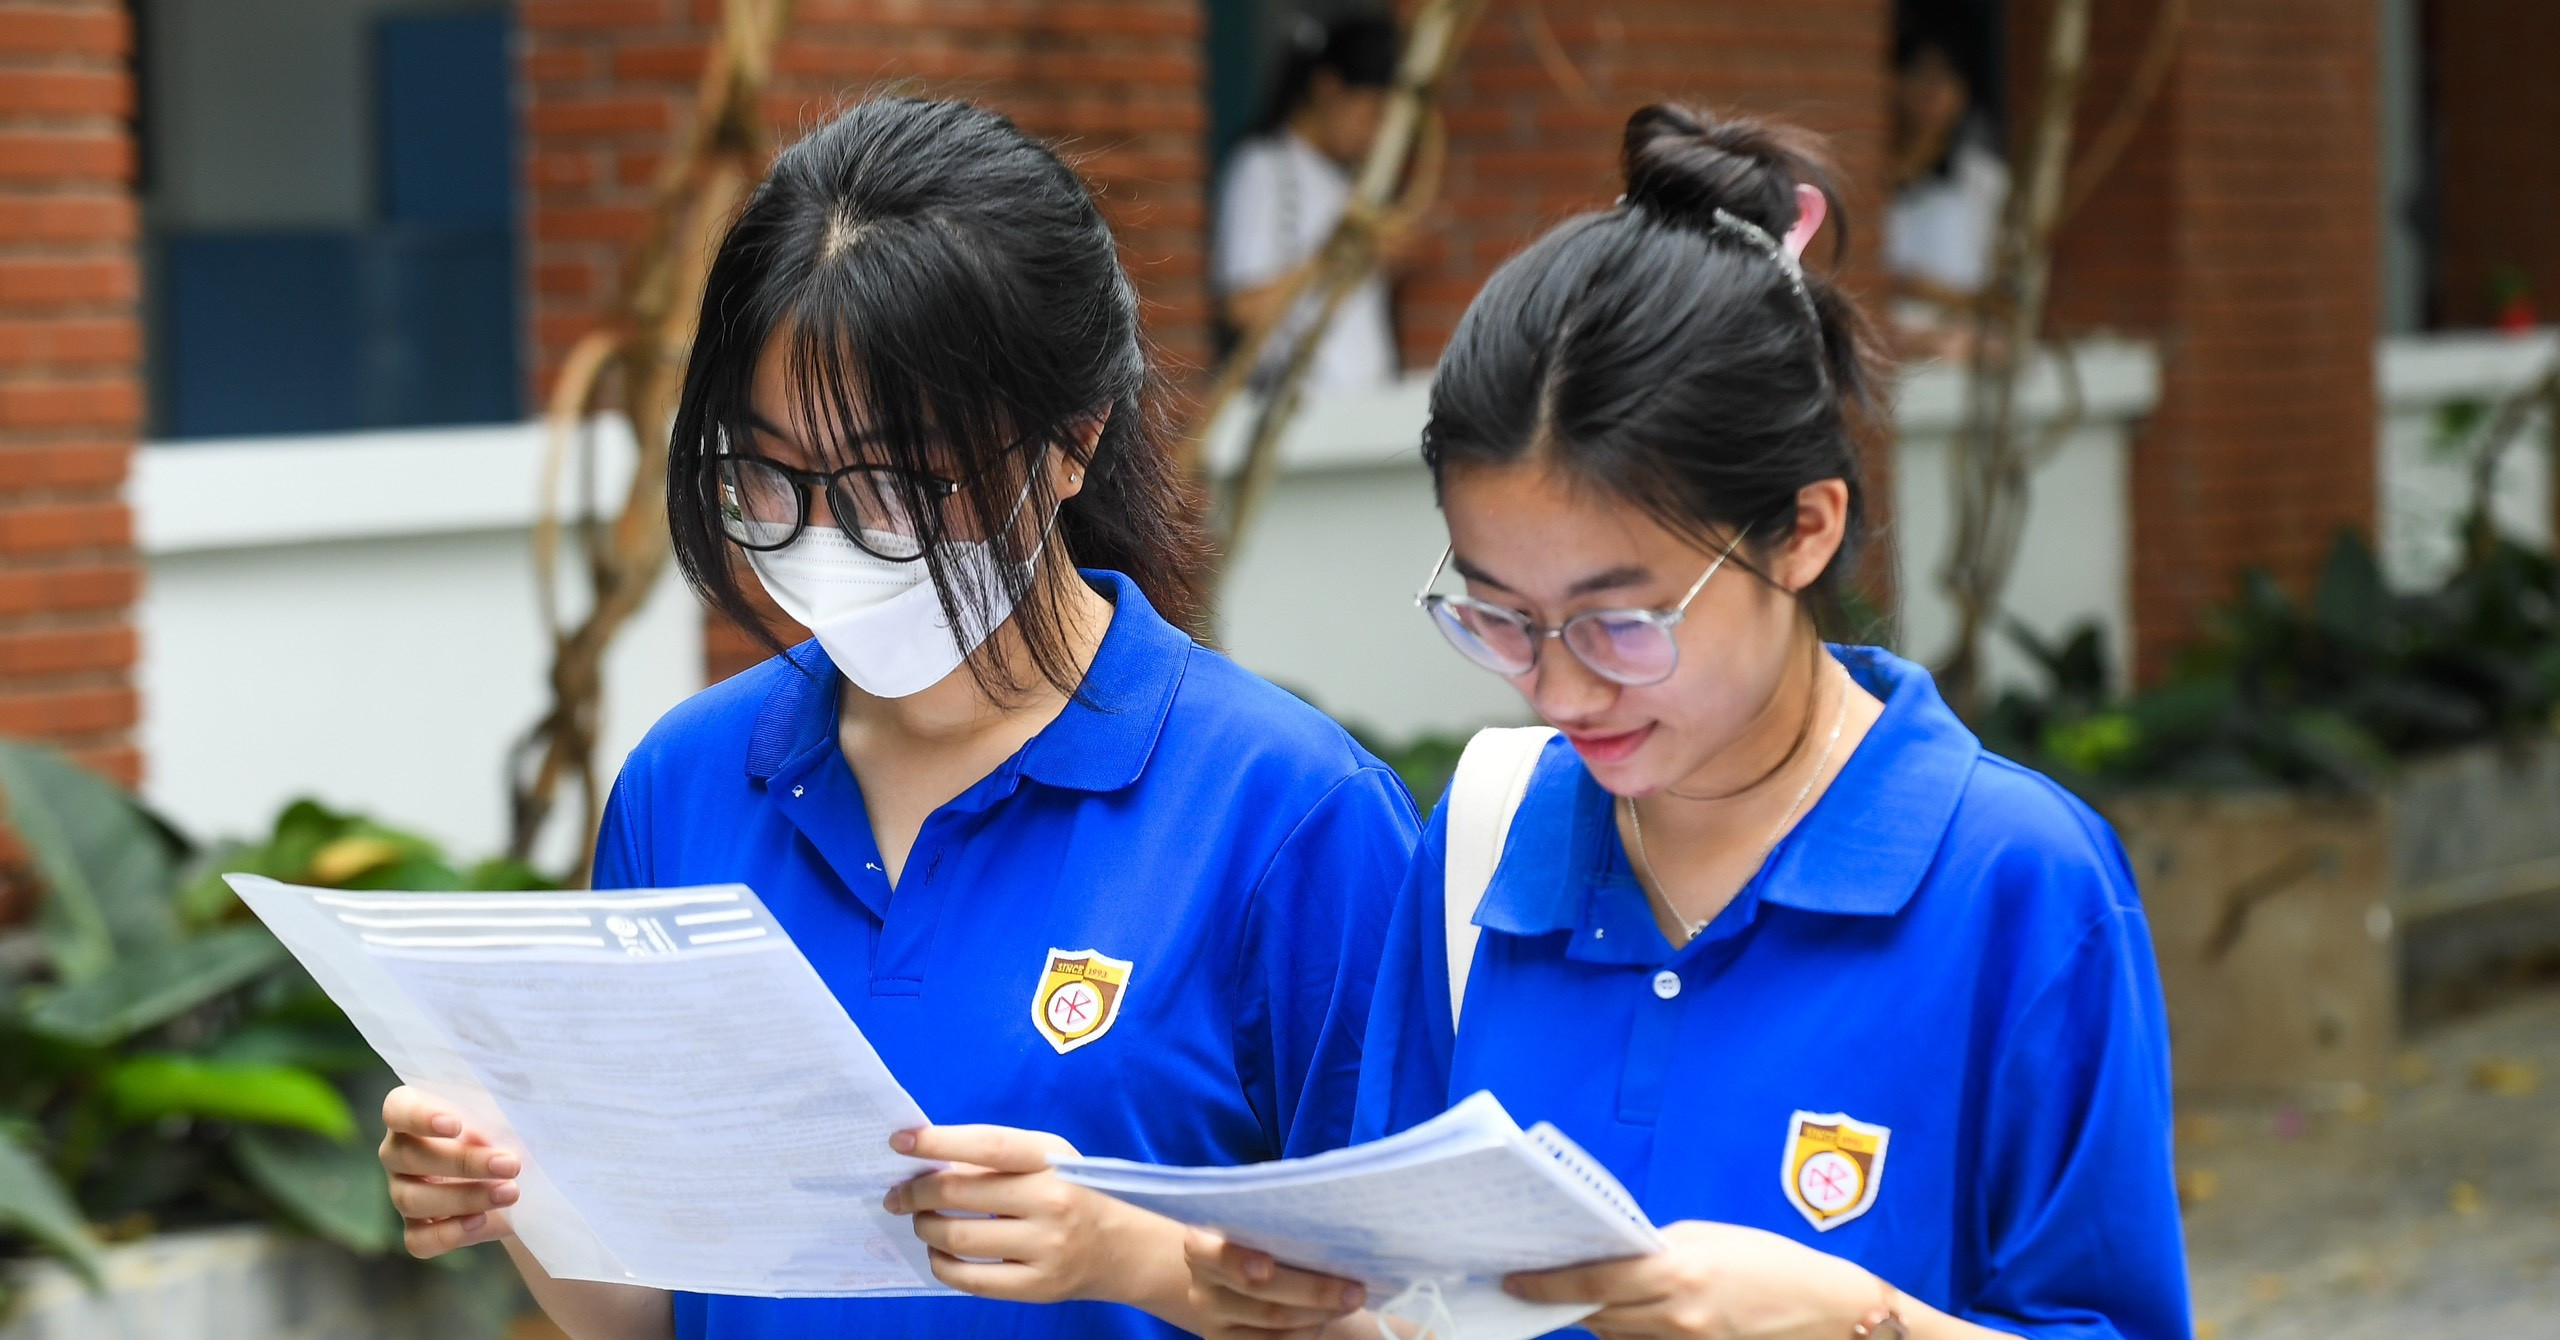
pixel 2424 471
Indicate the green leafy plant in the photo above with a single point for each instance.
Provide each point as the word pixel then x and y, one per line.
pixel 2324 694
pixel 164 1063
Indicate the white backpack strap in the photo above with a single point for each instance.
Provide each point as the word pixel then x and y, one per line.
pixel 1492 775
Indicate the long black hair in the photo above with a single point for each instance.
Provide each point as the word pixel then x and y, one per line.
pixel 1666 355
pixel 955 307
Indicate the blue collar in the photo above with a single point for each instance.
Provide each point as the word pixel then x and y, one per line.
pixel 1863 850
pixel 1100 742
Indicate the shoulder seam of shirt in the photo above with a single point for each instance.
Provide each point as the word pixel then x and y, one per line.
pixel 1263 875
pixel 2104 843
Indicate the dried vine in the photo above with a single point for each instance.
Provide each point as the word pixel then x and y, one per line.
pixel 640 352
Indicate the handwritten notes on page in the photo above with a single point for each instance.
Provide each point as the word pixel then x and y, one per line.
pixel 694 1108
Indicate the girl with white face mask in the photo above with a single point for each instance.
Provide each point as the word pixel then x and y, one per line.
pixel 1081 881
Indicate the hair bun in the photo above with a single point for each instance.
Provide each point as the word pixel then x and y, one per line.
pixel 1684 165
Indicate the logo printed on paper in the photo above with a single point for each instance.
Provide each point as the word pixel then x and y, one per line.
pixel 1079 997
pixel 1833 1166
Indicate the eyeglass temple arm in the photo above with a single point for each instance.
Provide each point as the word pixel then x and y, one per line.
pixel 1436 568
pixel 1701 583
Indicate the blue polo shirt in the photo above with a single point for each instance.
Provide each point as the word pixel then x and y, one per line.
pixel 1226 841
pixel 1926 1037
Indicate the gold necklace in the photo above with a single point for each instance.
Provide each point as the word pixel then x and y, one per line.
pixel 1635 822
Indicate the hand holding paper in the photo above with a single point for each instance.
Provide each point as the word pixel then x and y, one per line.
pixel 693 1108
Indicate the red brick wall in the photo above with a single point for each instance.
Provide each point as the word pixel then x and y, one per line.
pixel 1115 82
pixel 1523 154
pixel 2497 102
pixel 2240 233
pixel 70 385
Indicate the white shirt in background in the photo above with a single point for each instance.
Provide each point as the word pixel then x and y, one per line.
pixel 1942 228
pixel 1278 204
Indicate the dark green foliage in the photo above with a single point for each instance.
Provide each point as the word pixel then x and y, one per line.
pixel 2324 695
pixel 164 1063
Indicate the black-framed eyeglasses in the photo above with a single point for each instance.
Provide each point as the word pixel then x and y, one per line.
pixel 764 506
pixel 1634 647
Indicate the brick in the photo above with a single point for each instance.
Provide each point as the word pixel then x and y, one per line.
pixel 606 15
pixel 62 282
pixel 63 465
pixel 67 155
pixel 70 341
pixel 69 712
pixel 63 651
pixel 65 93
pixel 63 217
pixel 558 120
pixel 54 32
pixel 107 402
pixel 613 223
pixel 49 528
pixel 85 587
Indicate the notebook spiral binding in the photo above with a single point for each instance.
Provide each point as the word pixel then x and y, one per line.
pixel 1588 1171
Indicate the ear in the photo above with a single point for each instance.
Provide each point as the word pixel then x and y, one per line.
pixel 1822 526
pixel 1811 210
pixel 1067 468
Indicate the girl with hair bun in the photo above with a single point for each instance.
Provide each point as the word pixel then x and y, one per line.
pixel 1865 1016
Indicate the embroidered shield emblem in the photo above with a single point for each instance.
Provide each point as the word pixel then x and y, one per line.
pixel 1079 997
pixel 1833 1166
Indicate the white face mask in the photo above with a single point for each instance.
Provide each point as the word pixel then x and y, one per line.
pixel 880 621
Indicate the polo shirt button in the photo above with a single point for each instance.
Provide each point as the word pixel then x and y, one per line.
pixel 1666 984
pixel 795 793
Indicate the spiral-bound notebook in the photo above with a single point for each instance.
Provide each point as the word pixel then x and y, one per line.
pixel 1431 1219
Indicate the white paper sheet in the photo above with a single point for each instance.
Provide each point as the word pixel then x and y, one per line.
pixel 694 1108
pixel 1453 1205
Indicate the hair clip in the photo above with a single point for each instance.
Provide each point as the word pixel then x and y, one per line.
pixel 1757 237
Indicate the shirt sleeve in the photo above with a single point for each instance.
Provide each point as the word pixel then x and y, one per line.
pixel 2078 1200
pixel 622 859
pixel 1318 917
pixel 1404 1058
pixel 1249 249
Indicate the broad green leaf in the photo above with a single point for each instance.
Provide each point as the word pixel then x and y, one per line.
pixel 149 1087
pixel 329 1046
pixel 335 1188
pixel 35 1204
pixel 107 867
pixel 144 990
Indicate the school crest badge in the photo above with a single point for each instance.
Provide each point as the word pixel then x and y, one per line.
pixel 1079 997
pixel 1833 1166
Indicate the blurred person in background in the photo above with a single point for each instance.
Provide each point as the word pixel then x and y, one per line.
pixel 1950 186
pixel 1286 188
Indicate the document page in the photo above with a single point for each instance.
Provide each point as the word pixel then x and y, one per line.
pixel 694 1108
pixel 1450 1206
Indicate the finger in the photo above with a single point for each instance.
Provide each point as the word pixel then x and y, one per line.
pixel 1607 1283
pixel 428 1157
pixel 987 1239
pixel 1002 1148
pixel 1009 1195
pixel 416 1112
pixel 419 1198
pixel 1292 1287
pixel 1230 1308
pixel 996 1279
pixel 431 1238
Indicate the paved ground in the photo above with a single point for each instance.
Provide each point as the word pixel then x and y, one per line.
pixel 2430 1211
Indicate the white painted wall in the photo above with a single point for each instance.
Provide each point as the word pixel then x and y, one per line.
pixel 2425 479
pixel 353 619
pixel 1322 595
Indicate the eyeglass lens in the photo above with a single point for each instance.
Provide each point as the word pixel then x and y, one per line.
pixel 760 507
pixel 1626 648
